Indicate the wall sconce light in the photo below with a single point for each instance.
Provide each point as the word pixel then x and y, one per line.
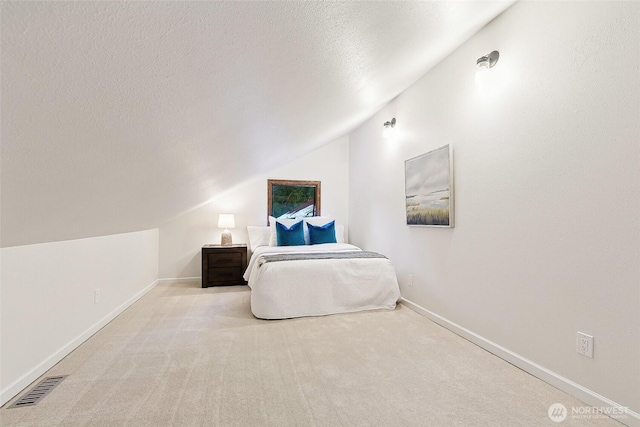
pixel 226 221
pixel 488 61
pixel 389 128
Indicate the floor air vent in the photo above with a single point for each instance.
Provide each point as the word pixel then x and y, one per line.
pixel 38 392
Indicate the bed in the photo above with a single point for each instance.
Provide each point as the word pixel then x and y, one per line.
pixel 319 279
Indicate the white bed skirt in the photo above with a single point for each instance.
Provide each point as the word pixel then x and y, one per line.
pixel 287 289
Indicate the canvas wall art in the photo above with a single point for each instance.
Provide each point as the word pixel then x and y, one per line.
pixel 429 188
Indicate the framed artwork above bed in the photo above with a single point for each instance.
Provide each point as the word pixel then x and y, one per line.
pixel 292 198
pixel 429 188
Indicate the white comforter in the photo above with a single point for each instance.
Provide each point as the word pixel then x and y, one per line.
pixel 318 287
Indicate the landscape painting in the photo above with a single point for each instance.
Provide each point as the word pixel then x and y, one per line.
pixel 429 188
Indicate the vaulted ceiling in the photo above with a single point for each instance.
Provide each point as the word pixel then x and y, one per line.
pixel 119 116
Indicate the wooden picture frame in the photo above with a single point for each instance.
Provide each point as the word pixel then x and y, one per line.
pixel 292 198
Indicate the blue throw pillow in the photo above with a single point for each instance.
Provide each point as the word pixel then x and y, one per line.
pixel 290 236
pixel 322 233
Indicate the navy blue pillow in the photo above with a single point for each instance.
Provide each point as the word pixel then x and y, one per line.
pixel 291 236
pixel 322 233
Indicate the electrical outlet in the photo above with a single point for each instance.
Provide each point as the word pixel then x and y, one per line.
pixel 584 344
pixel 411 280
pixel 96 296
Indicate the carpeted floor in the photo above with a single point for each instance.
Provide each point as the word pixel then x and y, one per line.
pixel 187 356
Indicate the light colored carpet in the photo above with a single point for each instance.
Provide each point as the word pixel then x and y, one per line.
pixel 187 356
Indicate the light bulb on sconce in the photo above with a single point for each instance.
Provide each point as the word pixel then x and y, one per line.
pixel 226 221
pixel 389 128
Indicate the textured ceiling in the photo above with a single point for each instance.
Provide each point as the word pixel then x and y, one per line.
pixel 119 116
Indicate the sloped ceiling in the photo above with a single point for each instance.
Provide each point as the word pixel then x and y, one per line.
pixel 119 116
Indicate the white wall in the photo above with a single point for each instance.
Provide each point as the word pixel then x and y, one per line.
pixel 547 190
pixel 182 239
pixel 47 306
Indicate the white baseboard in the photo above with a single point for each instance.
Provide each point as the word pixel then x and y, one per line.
pixel 20 384
pixel 180 280
pixel 574 389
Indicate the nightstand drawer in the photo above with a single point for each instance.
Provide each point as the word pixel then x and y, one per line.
pixel 228 259
pixel 225 274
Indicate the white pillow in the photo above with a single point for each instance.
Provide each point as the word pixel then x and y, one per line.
pixel 258 236
pixel 287 222
pixel 340 234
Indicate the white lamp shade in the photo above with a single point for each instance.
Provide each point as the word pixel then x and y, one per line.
pixel 226 221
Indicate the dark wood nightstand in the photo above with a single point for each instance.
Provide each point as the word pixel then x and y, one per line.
pixel 223 265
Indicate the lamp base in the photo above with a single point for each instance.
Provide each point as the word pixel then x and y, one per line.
pixel 226 238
